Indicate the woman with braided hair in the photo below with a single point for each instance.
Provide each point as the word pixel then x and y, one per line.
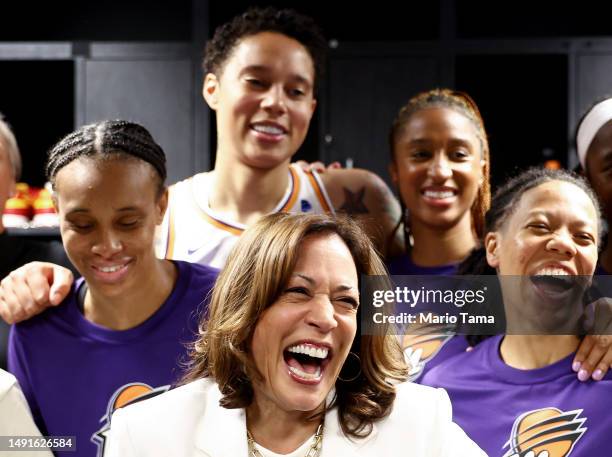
pixel 541 240
pixel 440 166
pixel 121 330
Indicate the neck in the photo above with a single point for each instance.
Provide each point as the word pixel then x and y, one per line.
pixel 243 193
pixel 528 352
pixel 127 310
pixel 605 259
pixel 442 246
pixel 278 430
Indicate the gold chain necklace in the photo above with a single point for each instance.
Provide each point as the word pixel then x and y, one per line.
pixel 314 451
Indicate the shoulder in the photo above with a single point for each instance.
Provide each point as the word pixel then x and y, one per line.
pixel 421 423
pixel 415 397
pixel 175 413
pixel 8 384
pixel 176 401
pixel 62 317
pixel 197 272
pixel 336 181
pixel 461 369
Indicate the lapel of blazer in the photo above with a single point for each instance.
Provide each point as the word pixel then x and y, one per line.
pixel 336 443
pixel 221 432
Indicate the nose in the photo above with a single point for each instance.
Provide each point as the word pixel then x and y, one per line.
pixel 562 243
pixel 439 168
pixel 322 314
pixel 274 100
pixel 107 245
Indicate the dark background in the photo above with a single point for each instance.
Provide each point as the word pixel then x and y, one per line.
pixel 514 58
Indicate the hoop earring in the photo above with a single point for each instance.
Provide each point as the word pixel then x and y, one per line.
pixel 358 364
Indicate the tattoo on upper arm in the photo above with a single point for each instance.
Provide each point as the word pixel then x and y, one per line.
pixel 353 201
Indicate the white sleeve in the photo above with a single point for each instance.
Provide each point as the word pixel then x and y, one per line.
pixel 119 440
pixel 454 442
pixel 15 417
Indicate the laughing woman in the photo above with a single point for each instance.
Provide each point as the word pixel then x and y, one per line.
pixel 120 332
pixel 542 236
pixel 280 366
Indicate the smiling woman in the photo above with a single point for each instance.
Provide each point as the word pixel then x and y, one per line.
pixel 280 366
pixel 542 235
pixel 123 324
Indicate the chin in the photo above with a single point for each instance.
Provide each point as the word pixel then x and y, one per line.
pixel 306 402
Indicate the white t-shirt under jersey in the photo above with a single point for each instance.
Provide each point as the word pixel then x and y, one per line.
pixel 193 232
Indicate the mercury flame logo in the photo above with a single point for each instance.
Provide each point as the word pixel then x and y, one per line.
pixel 123 396
pixel 420 349
pixel 547 432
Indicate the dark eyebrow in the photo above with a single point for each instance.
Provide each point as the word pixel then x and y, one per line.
pixel 540 212
pixel 311 281
pixel 86 211
pixel 263 69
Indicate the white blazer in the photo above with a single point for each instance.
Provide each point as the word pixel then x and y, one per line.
pixel 189 422
pixel 15 417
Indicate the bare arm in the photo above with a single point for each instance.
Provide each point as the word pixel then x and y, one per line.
pixel 367 197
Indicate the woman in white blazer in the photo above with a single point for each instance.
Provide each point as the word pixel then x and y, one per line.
pixel 278 368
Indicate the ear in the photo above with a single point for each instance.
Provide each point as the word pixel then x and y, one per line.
pixel 483 164
pixel 393 173
pixel 210 91
pixel 54 200
pixel 313 107
pixel 491 244
pixel 12 188
pixel 162 206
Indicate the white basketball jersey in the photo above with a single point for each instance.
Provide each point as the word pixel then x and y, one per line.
pixel 191 231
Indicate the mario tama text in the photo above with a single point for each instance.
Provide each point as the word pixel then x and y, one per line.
pixel 421 318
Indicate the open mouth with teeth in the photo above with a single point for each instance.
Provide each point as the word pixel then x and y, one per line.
pixel 270 132
pixel 554 282
pixel 307 362
pixel 111 273
pixel 438 196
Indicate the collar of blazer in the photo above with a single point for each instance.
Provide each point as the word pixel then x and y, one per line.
pixel 221 432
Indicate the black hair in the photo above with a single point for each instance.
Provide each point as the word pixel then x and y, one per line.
pixel 505 201
pixel 255 20
pixel 104 140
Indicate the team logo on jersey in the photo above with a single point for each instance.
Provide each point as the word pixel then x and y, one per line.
pixel 123 396
pixel 421 348
pixel 305 206
pixel 547 432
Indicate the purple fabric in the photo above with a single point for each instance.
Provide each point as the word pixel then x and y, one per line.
pixel 496 404
pixel 74 372
pixel 403 265
pixel 443 347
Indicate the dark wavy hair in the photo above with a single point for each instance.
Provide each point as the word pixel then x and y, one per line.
pixel 255 20
pixel 255 275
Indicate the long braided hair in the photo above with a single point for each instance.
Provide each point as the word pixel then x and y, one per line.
pixel 465 105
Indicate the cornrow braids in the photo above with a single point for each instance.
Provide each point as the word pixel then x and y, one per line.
pixel 465 105
pixel 256 20
pixel 103 139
